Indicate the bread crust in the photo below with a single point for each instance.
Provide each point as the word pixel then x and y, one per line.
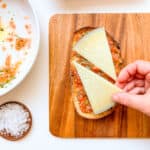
pixel 74 98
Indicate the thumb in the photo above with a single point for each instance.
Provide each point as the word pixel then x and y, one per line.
pixel 127 99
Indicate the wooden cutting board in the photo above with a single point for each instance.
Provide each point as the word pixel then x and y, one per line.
pixel 132 31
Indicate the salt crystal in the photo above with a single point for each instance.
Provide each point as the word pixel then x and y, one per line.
pixel 14 119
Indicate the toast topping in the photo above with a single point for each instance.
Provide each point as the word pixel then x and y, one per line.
pixel 84 104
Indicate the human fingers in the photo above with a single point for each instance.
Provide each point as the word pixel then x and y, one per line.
pixel 120 85
pixel 130 100
pixel 123 84
pixel 142 67
pixel 134 83
pixel 139 76
pixel 137 90
pixel 129 85
pixel 147 83
pixel 127 73
pixel 138 68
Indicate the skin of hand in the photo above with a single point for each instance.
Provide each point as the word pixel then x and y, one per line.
pixel 134 79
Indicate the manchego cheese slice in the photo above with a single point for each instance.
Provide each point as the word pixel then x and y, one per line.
pixel 98 90
pixel 95 48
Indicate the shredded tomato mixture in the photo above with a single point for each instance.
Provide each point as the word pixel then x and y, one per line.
pixel 12 24
pixel 28 28
pixel 81 94
pixel 10 42
pixel 20 43
pixel 8 72
pixel 3 5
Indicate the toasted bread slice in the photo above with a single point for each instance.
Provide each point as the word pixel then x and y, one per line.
pixel 90 115
pixel 114 47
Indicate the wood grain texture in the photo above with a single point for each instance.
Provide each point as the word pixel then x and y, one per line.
pixel 132 31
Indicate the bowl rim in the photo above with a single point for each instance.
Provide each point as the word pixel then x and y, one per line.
pixel 36 47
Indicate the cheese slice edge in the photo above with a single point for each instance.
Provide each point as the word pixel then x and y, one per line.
pixel 94 47
pixel 98 90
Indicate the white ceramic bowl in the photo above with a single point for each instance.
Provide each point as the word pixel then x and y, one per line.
pixel 21 8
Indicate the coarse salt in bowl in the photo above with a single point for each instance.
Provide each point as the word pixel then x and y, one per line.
pixel 15 120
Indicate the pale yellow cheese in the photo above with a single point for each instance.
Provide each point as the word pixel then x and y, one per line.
pixel 95 48
pixel 98 90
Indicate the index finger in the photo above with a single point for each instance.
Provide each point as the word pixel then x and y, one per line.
pixel 139 67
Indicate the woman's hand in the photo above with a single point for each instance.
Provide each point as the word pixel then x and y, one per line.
pixel 134 79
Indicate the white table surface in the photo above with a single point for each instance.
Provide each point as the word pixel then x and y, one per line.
pixel 33 91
